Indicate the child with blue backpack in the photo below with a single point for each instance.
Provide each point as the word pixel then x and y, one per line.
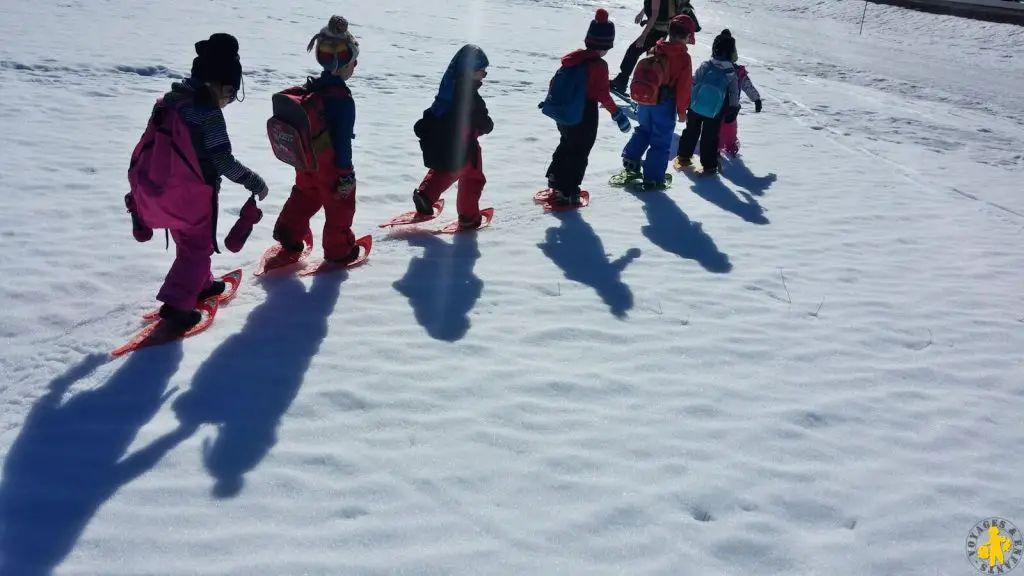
pixel 573 94
pixel 175 176
pixel 715 99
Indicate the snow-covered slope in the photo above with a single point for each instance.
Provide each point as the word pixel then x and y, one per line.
pixel 809 366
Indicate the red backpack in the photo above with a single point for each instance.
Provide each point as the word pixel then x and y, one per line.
pixel 298 128
pixel 651 74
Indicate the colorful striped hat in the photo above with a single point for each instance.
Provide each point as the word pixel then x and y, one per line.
pixel 335 45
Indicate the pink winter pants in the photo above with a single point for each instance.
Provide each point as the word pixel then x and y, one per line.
pixel 728 142
pixel 190 273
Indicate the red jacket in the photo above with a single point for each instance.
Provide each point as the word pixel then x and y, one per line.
pixel 597 76
pixel 680 71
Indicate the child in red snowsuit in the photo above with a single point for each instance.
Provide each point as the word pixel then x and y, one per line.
pixel 449 131
pixel 213 83
pixel 333 186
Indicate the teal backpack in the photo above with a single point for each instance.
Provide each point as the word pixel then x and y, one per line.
pixel 709 92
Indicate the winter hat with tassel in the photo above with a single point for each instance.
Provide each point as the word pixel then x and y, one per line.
pixel 335 45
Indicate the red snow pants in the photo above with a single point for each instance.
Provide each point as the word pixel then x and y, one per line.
pixel 311 192
pixel 471 185
pixel 728 141
pixel 190 273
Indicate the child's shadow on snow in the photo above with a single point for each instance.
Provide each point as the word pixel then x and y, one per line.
pixel 69 458
pixel 577 250
pixel 712 189
pixel 440 285
pixel 249 381
pixel 736 171
pixel 670 229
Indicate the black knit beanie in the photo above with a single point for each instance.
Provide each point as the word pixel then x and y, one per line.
pixel 601 33
pixel 724 46
pixel 217 61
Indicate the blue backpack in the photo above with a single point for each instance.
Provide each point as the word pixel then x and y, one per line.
pixel 709 92
pixel 567 93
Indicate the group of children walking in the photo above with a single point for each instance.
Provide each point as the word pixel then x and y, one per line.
pixel 176 169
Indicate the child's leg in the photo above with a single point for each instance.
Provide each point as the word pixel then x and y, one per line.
pixel 339 211
pixel 709 143
pixel 561 157
pixel 471 186
pixel 727 142
pixel 633 152
pixel 583 138
pixel 293 223
pixel 663 124
pixel 435 183
pixel 688 139
pixel 190 273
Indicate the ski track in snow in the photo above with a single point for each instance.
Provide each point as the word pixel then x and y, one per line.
pixel 809 366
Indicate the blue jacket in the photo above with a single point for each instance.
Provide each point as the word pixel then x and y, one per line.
pixel 341 120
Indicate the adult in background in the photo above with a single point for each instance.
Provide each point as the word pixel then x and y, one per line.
pixel 655 28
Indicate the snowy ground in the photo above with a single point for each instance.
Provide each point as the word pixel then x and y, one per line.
pixel 810 366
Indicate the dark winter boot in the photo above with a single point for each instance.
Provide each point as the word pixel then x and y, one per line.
pixel 469 222
pixel 287 243
pixel 563 198
pixel 180 320
pixel 348 258
pixel 618 85
pixel 215 289
pixel 422 203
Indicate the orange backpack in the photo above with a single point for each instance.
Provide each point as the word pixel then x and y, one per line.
pixel 651 74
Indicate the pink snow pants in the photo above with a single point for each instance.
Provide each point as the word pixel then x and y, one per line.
pixel 728 142
pixel 190 273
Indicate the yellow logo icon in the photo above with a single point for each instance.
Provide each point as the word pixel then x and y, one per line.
pixel 995 546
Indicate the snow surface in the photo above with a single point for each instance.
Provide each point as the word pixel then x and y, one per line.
pixel 812 365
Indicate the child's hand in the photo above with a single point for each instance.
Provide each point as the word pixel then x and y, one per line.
pixel 757 105
pixel 262 194
pixel 622 121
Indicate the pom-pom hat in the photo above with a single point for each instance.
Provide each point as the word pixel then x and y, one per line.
pixel 335 45
pixel 601 34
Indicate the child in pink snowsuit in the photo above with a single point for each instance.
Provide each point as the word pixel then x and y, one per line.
pixel 728 139
pixel 191 175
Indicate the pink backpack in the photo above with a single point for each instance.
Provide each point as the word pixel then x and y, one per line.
pixel 167 184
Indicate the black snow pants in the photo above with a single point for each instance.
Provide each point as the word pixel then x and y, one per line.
pixel 569 162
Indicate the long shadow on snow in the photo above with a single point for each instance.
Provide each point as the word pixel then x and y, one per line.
pixel 248 383
pixel 712 189
pixel 440 285
pixel 577 250
pixel 670 229
pixel 69 458
pixel 736 171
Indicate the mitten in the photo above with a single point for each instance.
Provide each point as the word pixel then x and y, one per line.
pixel 346 185
pixel 730 114
pixel 622 121
pixel 757 105
pixel 248 216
